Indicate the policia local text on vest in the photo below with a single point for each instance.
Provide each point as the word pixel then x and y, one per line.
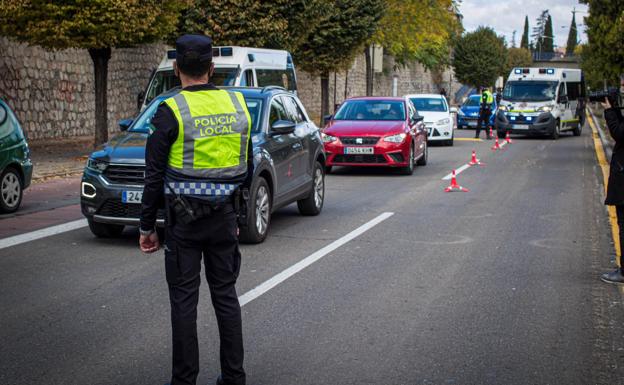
pixel 198 157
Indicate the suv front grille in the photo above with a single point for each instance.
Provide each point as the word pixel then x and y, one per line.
pixel 117 209
pixel 359 141
pixel 340 158
pixel 125 174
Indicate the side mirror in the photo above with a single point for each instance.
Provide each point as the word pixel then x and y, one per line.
pixel 562 99
pixel 453 110
pixel 140 98
pixel 124 124
pixel 418 118
pixel 283 127
pixel 327 118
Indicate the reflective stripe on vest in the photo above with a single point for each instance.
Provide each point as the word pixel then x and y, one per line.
pixel 203 189
pixel 213 135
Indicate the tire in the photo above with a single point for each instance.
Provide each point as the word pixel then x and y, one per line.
pixel 328 170
pixel 313 204
pixel 450 142
pixel 104 230
pixel 578 129
pixel 501 134
pixel 409 169
pixel 556 131
pixel 423 160
pixel 11 190
pixel 258 213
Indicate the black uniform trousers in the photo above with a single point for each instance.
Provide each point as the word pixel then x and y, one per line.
pixel 215 239
pixel 619 210
pixel 484 119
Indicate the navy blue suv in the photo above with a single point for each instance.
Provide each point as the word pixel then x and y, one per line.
pixel 288 157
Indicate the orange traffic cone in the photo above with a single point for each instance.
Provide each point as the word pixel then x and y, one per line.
pixel 491 133
pixel 508 139
pixel 454 186
pixel 496 145
pixel 474 161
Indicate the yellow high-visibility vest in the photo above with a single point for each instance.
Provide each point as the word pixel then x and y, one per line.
pixel 213 134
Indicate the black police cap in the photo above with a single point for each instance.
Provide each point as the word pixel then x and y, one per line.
pixel 193 48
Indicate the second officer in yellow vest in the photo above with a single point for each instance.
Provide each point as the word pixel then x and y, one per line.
pixel 485 112
pixel 197 158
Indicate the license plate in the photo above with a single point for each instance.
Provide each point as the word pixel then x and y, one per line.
pixel 131 196
pixel 520 126
pixel 472 124
pixel 358 150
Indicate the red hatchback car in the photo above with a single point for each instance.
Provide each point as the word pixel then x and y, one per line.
pixel 376 131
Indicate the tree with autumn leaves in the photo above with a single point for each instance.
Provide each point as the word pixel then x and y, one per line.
pixel 97 26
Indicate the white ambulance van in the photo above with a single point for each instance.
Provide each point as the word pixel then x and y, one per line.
pixel 234 66
pixel 542 101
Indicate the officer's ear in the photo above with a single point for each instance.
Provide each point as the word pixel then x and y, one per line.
pixel 211 70
pixel 176 71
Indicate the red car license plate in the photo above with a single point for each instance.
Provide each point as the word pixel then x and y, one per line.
pixel 359 150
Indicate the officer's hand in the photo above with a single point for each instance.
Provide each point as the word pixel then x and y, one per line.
pixel 606 105
pixel 149 243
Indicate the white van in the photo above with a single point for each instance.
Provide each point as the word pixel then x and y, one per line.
pixel 234 66
pixel 542 101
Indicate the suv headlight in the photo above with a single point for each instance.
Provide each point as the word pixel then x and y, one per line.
pixel 398 138
pixel 545 108
pixel 444 121
pixel 502 108
pixel 96 165
pixel 460 112
pixel 328 138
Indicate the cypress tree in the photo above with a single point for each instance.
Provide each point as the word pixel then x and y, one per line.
pixel 524 43
pixel 572 37
pixel 548 45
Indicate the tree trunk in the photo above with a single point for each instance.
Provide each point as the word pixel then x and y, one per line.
pixel 369 72
pixel 100 57
pixel 346 84
pixel 324 97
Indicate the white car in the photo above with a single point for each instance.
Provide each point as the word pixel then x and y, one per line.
pixel 438 118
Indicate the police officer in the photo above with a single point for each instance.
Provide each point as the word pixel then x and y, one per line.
pixel 197 156
pixel 615 186
pixel 485 111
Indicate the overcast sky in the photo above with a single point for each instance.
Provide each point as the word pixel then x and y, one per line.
pixel 506 16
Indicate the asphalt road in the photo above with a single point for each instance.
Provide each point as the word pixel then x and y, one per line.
pixel 495 286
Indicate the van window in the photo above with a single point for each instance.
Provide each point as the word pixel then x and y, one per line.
pixel 562 90
pixel 575 90
pixel 247 79
pixel 529 91
pixel 282 78
pixel 292 108
pixel 163 81
pixel 224 76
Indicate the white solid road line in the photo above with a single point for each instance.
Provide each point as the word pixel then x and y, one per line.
pixel 467 166
pixel 457 171
pixel 307 261
pixel 38 234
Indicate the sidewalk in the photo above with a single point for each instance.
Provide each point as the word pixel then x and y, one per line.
pixel 59 158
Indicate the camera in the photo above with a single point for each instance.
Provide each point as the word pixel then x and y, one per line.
pixel 612 93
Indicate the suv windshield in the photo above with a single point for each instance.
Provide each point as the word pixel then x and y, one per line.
pixel 429 104
pixel 142 123
pixel 166 80
pixel 371 110
pixel 530 91
pixel 472 101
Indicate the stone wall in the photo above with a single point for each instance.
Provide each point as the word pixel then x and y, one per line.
pixel 52 92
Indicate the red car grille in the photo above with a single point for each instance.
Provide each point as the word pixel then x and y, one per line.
pixel 342 158
pixel 359 141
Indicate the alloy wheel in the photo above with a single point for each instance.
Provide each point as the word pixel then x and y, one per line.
pixel 262 210
pixel 10 190
pixel 319 188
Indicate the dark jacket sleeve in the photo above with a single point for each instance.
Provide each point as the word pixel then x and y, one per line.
pixel 164 133
pixel 615 123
